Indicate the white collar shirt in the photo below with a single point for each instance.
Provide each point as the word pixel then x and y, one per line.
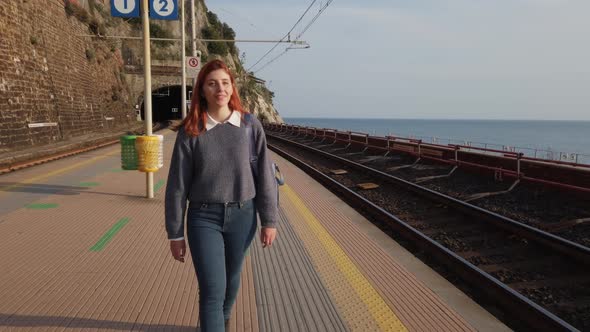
pixel 234 119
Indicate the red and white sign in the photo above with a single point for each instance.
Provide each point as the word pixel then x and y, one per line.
pixel 193 66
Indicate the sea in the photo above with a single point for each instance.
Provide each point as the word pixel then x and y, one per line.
pixel 545 139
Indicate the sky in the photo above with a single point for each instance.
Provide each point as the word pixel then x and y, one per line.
pixel 421 59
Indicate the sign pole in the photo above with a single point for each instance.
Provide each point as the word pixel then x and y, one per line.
pixel 193 35
pixel 147 92
pixel 183 57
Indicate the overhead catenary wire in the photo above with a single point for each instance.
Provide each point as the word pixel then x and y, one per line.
pixel 296 39
pixel 240 17
pixel 285 36
pixel 272 60
pixel 281 54
pixel 313 19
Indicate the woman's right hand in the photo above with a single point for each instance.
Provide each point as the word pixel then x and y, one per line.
pixel 178 249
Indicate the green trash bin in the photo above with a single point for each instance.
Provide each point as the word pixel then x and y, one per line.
pixel 128 153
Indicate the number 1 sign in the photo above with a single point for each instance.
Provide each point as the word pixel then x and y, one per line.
pixel 125 8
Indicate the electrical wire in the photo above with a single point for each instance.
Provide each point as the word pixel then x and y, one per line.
pixel 298 36
pixel 272 60
pixel 313 19
pixel 243 18
pixel 286 35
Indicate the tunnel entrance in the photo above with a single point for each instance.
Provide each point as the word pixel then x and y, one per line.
pixel 166 103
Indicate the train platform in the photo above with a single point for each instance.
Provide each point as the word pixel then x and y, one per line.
pixel 82 249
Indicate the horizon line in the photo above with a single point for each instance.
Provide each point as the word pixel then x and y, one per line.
pixel 446 119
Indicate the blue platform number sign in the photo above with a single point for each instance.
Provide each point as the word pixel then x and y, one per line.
pixel 125 8
pixel 164 9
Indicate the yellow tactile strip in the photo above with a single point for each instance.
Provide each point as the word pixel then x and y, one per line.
pixel 417 307
pixel 50 280
pixel 361 306
pixel 289 293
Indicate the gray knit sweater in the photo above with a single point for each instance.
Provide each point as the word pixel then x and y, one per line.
pixel 215 167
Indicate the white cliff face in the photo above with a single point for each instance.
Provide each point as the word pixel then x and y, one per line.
pixel 264 109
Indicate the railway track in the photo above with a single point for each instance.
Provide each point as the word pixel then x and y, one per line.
pixel 535 277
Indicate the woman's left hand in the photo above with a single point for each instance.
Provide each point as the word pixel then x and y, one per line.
pixel 267 236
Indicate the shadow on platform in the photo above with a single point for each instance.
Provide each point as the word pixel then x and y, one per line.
pixel 58 321
pixel 50 189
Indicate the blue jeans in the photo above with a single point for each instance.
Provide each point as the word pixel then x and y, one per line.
pixel 218 236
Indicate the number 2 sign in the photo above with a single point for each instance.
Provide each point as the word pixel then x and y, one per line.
pixel 164 9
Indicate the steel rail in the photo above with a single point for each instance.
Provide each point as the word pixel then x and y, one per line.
pixel 516 304
pixel 566 247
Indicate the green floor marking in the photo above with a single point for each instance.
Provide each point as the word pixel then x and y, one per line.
pixel 41 206
pixel 88 184
pixel 116 170
pixel 159 185
pixel 108 236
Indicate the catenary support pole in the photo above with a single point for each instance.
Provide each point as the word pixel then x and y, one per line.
pixel 147 92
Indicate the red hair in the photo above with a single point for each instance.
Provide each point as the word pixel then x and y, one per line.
pixel 194 123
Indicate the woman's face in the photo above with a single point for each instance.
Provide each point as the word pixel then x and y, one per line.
pixel 217 88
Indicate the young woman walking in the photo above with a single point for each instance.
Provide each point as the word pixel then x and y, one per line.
pixel 225 183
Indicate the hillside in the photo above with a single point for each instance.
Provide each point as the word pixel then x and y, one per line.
pixel 63 75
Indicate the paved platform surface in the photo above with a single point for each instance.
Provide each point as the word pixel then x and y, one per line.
pixel 82 249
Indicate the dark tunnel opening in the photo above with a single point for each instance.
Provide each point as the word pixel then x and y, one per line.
pixel 166 103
